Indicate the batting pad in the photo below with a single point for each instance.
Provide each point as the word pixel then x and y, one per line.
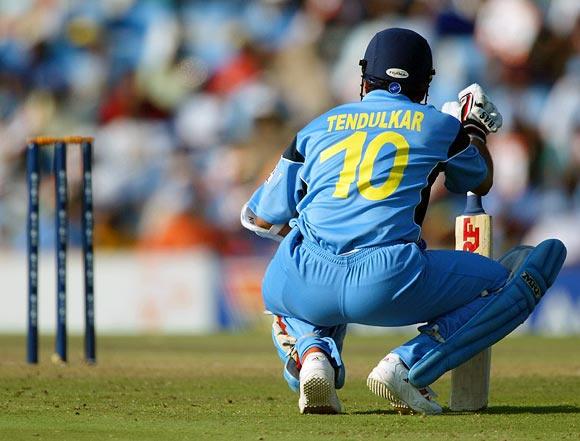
pixel 505 311
pixel 515 258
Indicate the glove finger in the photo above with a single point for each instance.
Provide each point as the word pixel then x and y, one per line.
pixel 489 107
pixel 484 119
pixel 498 120
pixel 495 115
pixel 482 100
pixel 494 122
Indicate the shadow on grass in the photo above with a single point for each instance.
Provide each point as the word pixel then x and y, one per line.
pixel 516 410
pixel 494 410
pixel 375 412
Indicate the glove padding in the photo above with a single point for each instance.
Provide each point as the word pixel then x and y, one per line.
pixel 452 108
pixel 478 114
pixel 475 111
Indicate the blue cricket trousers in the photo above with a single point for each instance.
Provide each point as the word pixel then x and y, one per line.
pixel 394 285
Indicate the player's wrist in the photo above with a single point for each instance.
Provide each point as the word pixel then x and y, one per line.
pixel 475 130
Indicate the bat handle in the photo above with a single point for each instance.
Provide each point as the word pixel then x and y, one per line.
pixel 473 204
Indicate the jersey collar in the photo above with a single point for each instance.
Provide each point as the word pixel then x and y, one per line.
pixel 382 95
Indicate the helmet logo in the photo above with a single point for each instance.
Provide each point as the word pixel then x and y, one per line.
pixel 397 73
pixel 394 88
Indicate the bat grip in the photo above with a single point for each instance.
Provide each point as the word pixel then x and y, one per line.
pixel 473 204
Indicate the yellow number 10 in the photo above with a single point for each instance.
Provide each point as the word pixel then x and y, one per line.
pixel 353 146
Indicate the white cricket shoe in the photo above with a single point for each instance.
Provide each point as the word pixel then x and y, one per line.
pixel 390 380
pixel 317 392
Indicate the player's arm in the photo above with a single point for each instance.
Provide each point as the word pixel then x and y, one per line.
pixel 486 184
pixel 274 203
pixel 265 225
pixel 262 227
pixel 469 159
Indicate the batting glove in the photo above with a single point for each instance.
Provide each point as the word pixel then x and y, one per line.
pixel 452 108
pixel 478 114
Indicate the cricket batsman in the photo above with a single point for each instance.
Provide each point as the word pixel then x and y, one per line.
pixel 347 200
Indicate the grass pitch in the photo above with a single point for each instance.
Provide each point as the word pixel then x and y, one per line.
pixel 229 387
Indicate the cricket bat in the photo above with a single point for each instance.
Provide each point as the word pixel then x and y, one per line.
pixel 470 381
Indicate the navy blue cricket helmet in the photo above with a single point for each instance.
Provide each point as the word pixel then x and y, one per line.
pixel 398 60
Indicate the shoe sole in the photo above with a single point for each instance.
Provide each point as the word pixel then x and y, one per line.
pixel 379 388
pixel 318 393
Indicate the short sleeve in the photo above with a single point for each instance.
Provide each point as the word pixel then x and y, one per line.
pixel 276 199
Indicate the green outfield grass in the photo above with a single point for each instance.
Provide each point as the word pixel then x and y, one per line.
pixel 229 387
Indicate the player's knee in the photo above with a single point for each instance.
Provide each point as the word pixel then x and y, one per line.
pixel 499 316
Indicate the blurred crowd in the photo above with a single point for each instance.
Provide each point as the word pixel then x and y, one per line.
pixel 192 102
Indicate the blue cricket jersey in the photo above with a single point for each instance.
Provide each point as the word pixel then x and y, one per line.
pixel 360 175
